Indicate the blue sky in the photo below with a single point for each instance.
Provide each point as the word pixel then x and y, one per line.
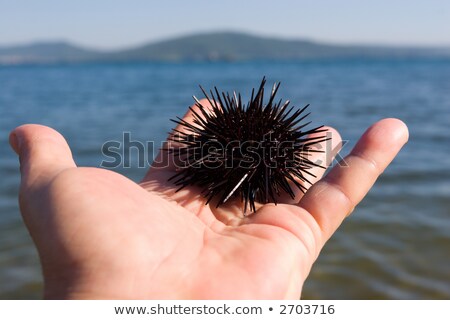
pixel 109 24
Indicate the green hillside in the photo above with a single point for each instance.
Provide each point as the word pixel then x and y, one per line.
pixel 45 52
pixel 219 46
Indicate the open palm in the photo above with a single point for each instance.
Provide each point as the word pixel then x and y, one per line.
pixel 100 235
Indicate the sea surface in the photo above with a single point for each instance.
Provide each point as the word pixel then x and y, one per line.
pixel 396 245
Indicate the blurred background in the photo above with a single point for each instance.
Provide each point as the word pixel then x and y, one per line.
pixel 93 70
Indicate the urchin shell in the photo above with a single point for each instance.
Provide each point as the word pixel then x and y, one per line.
pixel 253 151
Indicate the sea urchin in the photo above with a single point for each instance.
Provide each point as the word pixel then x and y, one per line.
pixel 253 151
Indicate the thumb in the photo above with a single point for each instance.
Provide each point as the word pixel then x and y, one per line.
pixel 43 153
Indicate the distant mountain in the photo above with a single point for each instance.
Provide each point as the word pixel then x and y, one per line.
pixel 45 52
pixel 238 46
pixel 219 46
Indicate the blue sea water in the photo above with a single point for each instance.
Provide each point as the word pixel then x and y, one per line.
pixel 396 245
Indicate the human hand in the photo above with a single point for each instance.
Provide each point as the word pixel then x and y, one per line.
pixel 101 236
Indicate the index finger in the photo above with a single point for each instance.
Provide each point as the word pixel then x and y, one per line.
pixel 333 198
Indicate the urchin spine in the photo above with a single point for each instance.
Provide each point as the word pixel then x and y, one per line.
pixel 254 150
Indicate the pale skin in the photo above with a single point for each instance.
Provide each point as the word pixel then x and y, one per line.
pixel 102 236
